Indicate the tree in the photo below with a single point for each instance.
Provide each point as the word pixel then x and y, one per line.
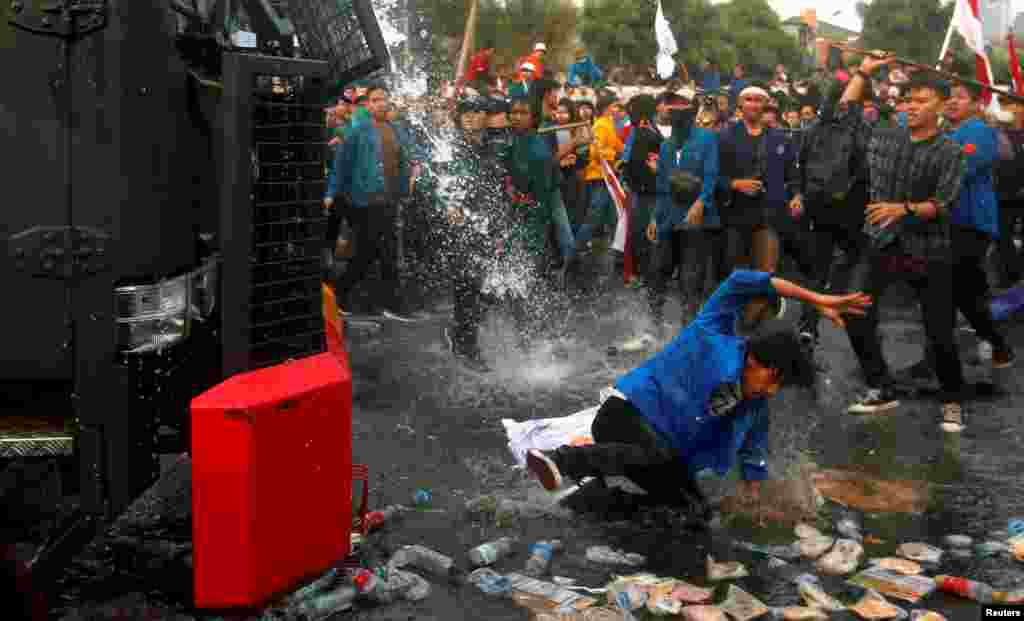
pixel 913 29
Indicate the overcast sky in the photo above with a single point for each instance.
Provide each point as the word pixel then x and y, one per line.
pixel 847 16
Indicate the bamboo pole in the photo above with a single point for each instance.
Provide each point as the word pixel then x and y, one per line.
pixel 555 128
pixel 939 72
pixel 467 44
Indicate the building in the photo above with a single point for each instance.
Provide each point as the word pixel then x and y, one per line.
pixel 825 29
pixel 996 19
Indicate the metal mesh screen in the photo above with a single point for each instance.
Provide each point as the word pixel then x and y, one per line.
pixel 288 185
pixel 345 33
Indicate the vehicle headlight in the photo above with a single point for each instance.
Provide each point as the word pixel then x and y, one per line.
pixel 151 317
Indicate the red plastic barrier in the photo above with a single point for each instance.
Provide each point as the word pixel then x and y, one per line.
pixel 271 480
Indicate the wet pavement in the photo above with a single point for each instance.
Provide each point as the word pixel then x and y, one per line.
pixel 420 420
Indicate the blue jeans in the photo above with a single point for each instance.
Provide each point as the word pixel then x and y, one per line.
pixel 601 213
pixel 566 239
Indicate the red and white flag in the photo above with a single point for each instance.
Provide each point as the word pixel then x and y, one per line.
pixel 621 240
pixel 1018 82
pixel 967 22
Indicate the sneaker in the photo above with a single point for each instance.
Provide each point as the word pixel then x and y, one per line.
pixel 873 400
pixel 1003 358
pixel 952 417
pixel 542 465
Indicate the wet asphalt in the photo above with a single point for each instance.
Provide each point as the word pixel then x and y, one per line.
pixel 423 421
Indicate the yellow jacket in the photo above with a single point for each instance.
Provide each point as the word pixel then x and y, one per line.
pixel 606 146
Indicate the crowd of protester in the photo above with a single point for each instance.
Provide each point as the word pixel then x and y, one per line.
pixel 861 177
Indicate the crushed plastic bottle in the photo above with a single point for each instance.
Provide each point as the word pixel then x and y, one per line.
pixel 898 565
pixel 799 613
pixel 703 613
pixel 490 581
pixel 986 549
pixel 379 589
pixel 849 528
pixel 320 584
pixel 925 615
pixel 814 547
pixel 790 552
pixel 425 559
pixel 325 604
pixel 742 606
pixel 607 556
pixel 540 557
pixel 962 587
pixel 873 606
pixel 816 597
pixel 806 531
pixel 958 541
pixel 1015 527
pixel 482 504
pixel 920 552
pixel 488 553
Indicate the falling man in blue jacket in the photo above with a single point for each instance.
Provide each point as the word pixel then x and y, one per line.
pixel 700 403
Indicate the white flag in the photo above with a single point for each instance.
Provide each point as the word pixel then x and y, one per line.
pixel 666 44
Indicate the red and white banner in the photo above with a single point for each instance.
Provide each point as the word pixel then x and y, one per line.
pixel 1018 82
pixel 621 240
pixel 967 22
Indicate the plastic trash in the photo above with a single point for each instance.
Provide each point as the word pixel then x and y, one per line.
pixel 789 552
pixel 843 559
pixel 422 497
pixel 554 595
pixel 320 584
pixel 691 594
pixel 813 547
pixel 563 581
pixel 808 578
pixel 395 585
pixel 815 597
pixel 850 529
pixel 962 554
pixel 920 552
pixel 874 607
pixel 742 606
pixel 724 571
pixel 958 541
pixel 897 565
pixel 325 604
pixel 376 519
pixel 1016 545
pixel 806 531
pixel 962 587
pixel 703 613
pixel 488 553
pixel 607 556
pixel 1013 598
pixel 1015 527
pixel 925 615
pixel 419 589
pixel 540 557
pixel 891 584
pixel 424 559
pixel 776 563
pixel 482 504
pixel 799 613
pixel 490 581
pixel 986 549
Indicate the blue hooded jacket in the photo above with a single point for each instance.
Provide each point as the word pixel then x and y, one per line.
pixel 699 157
pixel 359 167
pixel 584 73
pixel 976 206
pixel 673 389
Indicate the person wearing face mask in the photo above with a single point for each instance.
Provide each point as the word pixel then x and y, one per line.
pixel 686 229
pixel 642 147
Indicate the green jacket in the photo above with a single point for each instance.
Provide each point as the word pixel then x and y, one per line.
pixel 532 171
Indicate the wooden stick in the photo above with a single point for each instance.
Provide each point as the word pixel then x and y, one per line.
pixel 939 72
pixel 467 45
pixel 555 128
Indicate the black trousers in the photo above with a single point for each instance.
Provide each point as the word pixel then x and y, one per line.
pixel 971 293
pixel 626 445
pixel 468 311
pixel 826 236
pixel 694 252
pixel 1009 257
pixel 933 283
pixel 373 231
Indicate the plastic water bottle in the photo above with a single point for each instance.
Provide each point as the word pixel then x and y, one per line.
pixel 422 498
pixel 376 519
pixel 962 587
pixel 540 557
pixel 490 552
pixel 326 604
pixel 606 556
pixel 425 559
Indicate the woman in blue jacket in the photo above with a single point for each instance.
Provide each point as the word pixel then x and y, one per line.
pixel 688 236
pixel 700 404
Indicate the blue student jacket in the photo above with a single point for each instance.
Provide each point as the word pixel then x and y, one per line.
pixel 673 389
pixel 359 167
pixel 699 157
pixel 584 72
pixel 977 206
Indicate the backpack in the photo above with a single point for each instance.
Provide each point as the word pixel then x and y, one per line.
pixel 832 159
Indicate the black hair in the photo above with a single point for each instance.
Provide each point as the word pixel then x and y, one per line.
pixel 780 349
pixel 532 102
pixel 923 81
pixel 570 106
pixel 377 86
pixel 584 103
pixel 604 102
pixel 641 107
